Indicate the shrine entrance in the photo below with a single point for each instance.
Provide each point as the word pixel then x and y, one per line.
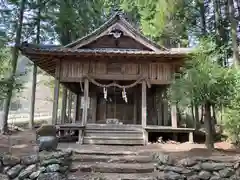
pixel 118 103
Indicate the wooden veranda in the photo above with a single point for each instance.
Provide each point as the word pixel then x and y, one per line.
pixel 119 78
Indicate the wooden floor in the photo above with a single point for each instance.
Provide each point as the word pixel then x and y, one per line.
pixel 153 128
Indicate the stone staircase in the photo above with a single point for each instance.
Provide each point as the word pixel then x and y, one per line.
pixel 99 165
pixel 113 134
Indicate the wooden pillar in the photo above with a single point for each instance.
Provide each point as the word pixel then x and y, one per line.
pixel 77 112
pixel 33 97
pixel 160 107
pixel 174 116
pixel 94 108
pixel 70 94
pixel 64 104
pixel 56 95
pixel 135 108
pixel 85 107
pixel 144 104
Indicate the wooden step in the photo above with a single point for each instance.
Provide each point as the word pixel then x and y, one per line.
pixel 113 134
pixel 113 131
pixel 112 159
pixel 113 140
pixel 113 167
pixel 115 127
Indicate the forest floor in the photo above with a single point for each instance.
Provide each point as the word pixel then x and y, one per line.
pixel 21 143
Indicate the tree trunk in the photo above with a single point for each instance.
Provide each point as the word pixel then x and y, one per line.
pixel 233 23
pixel 14 67
pixel 202 18
pixel 34 80
pixel 196 110
pixel 208 126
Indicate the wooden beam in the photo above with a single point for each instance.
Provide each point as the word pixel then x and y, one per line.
pixel 85 107
pixel 64 104
pixel 174 115
pixel 56 95
pixel 144 104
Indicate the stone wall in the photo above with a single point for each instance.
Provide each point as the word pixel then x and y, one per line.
pixel 42 166
pixel 198 168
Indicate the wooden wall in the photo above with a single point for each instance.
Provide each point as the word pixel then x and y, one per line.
pixel 158 73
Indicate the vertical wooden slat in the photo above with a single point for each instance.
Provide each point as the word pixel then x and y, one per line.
pixel 56 94
pixel 165 109
pixel 85 107
pixel 160 107
pixel 135 108
pixel 76 112
pixel 94 108
pixel 64 104
pixel 144 104
pixel 75 108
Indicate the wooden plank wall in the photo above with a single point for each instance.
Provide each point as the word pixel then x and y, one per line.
pixel 158 72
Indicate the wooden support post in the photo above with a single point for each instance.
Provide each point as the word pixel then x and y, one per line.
pixel 77 112
pixel 94 108
pixel 33 97
pixel 85 107
pixel 56 95
pixel 135 108
pixel 160 107
pixel 70 94
pixel 144 104
pixel 64 104
pixel 174 116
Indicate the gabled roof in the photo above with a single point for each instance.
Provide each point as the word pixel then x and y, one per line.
pixel 116 21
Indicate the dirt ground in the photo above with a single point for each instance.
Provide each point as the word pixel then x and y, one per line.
pixel 22 143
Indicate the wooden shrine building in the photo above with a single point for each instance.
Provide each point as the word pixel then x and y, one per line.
pixel 119 78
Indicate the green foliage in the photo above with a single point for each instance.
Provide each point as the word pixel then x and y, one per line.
pixel 5 81
pixel 203 79
pixel 231 116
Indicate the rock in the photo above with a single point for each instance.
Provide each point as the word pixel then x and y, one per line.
pixel 45 155
pixel 28 160
pixel 4 177
pixel 215 178
pixel 34 175
pixel 15 170
pixel 212 166
pixel 47 143
pixel 52 176
pixel 9 160
pixel 187 162
pixel 51 161
pixel 173 176
pixel 64 169
pixel 174 169
pixel 196 167
pixel 26 172
pixel 204 175
pixel 234 177
pixel 163 159
pixel 42 169
pixel 5 169
pixel 227 172
pixel 46 130
pixel 53 168
pixel 194 177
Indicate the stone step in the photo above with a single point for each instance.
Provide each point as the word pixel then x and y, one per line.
pixel 101 167
pixel 113 140
pixel 112 159
pixel 112 176
pixel 103 153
